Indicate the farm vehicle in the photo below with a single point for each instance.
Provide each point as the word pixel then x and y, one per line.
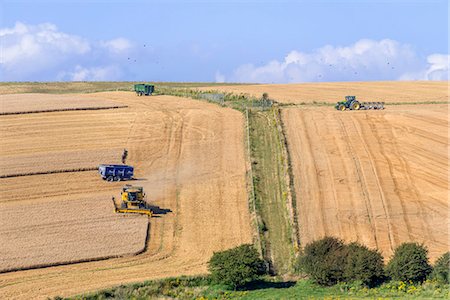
pixel 144 89
pixel 133 201
pixel 116 172
pixel 351 103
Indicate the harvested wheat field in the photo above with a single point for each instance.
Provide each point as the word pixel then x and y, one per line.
pixel 188 156
pixel 331 92
pixel 20 103
pixel 61 140
pixel 377 177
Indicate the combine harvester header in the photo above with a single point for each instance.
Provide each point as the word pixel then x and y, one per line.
pixel 133 201
pixel 351 103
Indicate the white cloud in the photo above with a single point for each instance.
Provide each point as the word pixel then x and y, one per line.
pixel 364 60
pixel 80 73
pixel 27 49
pixel 437 68
pixel 118 45
pixel 43 51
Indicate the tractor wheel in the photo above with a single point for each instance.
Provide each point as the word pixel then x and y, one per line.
pixel 341 107
pixel 109 178
pixel 355 106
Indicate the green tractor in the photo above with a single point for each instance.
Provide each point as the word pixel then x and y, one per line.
pixel 351 103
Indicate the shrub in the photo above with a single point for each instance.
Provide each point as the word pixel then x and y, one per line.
pixel 363 265
pixel 324 261
pixel 409 263
pixel 441 269
pixel 236 267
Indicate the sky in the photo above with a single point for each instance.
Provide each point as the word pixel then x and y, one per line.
pixel 224 41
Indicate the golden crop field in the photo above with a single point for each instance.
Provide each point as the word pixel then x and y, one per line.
pixel 377 177
pixel 188 156
pixel 331 92
pixel 20 103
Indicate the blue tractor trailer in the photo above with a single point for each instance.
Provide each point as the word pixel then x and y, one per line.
pixel 116 172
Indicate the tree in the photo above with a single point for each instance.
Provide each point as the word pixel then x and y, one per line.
pixel 324 261
pixel 236 267
pixel 364 265
pixel 409 262
pixel 441 269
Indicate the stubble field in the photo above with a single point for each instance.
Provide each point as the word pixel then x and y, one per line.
pixel 377 177
pixel 188 156
pixel 331 92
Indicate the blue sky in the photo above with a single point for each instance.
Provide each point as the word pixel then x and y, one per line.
pixel 236 41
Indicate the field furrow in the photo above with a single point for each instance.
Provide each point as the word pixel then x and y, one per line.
pixel 377 177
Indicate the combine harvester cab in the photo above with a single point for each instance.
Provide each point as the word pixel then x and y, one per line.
pixel 133 201
pixel 351 103
pixel 144 89
pixel 116 172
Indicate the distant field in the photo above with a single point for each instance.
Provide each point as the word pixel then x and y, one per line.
pixel 41 102
pixel 378 177
pixel 331 92
pixel 89 87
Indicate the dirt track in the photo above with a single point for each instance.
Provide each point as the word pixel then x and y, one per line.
pixel 189 156
pixel 378 177
pixel 331 92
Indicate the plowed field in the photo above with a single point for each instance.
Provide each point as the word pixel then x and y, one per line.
pixel 331 92
pixel 378 177
pixel 188 156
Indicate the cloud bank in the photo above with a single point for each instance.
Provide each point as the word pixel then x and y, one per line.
pixel 364 60
pixel 43 51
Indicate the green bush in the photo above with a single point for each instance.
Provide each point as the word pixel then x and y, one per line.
pixel 236 267
pixel 324 261
pixel 441 269
pixel 363 265
pixel 409 263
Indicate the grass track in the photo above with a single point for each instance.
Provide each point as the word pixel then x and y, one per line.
pixel 271 190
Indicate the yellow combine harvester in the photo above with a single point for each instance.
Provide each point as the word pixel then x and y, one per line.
pixel 133 201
